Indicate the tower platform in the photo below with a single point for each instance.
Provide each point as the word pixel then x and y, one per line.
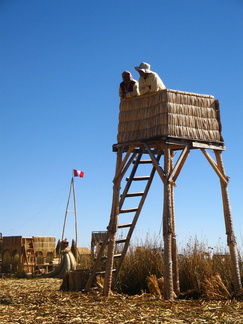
pixel 170 117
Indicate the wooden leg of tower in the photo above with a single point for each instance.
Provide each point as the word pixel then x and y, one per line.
pixel 109 264
pixel 231 240
pixel 175 267
pixel 167 229
pixel 112 227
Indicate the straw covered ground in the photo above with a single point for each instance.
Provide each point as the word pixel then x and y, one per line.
pixel 41 301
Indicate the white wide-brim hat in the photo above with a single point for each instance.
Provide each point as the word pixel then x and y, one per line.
pixel 145 67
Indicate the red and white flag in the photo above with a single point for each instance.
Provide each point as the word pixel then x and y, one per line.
pixel 78 173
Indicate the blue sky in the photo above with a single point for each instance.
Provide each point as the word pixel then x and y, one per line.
pixel 60 67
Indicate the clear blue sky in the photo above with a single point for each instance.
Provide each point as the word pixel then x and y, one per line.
pixel 60 67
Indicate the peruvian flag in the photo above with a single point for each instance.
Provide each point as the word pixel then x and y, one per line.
pixel 78 173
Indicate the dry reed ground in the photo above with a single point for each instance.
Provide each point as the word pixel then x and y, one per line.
pixel 40 301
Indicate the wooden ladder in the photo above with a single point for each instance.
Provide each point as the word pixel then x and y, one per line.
pixel 122 243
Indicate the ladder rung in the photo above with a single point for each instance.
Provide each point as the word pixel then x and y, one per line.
pixel 104 258
pixel 142 178
pixel 121 240
pixel 145 161
pixel 103 272
pixel 128 210
pixel 125 225
pixel 134 194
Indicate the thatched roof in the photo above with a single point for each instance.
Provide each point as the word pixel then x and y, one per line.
pixel 83 250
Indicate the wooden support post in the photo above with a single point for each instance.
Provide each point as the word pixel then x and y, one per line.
pixel 167 229
pixel 231 240
pixel 175 267
pixel 112 227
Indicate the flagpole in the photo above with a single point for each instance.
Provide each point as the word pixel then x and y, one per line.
pixel 65 217
pixel 75 213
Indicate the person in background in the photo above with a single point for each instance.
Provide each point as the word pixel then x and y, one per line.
pixel 149 81
pixel 128 87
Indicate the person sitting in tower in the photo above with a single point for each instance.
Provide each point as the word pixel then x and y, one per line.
pixel 128 87
pixel 149 81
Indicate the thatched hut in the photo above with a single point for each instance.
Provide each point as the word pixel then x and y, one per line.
pixel 26 253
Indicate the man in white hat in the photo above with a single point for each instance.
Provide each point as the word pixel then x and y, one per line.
pixel 149 81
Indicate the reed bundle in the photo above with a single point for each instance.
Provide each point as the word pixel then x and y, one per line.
pixel 153 285
pixel 169 113
pixel 215 288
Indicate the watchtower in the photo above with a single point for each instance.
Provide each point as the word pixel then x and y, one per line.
pixel 156 126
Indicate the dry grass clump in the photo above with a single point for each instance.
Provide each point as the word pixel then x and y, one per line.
pixel 215 288
pixel 153 285
pixel 201 274
pixel 196 267
pixel 139 263
pixel 161 284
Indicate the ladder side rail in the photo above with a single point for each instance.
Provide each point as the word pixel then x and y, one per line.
pixel 129 182
pixel 128 238
pixel 104 244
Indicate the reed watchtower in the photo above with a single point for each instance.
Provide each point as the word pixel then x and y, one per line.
pixel 155 126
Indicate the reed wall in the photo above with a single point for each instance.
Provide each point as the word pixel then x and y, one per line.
pixel 169 113
pixel 44 244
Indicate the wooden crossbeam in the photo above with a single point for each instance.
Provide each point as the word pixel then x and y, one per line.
pixel 214 165
pixel 179 164
pixel 156 164
pixel 121 170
